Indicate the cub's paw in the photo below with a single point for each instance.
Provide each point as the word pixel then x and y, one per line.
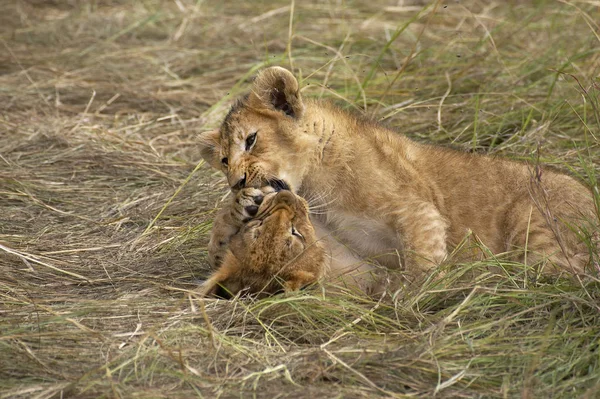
pixel 229 220
pixel 247 201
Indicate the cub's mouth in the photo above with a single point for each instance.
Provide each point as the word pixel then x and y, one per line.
pixel 278 184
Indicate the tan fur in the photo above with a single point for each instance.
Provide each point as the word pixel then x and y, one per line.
pixel 263 256
pixel 230 220
pixel 405 203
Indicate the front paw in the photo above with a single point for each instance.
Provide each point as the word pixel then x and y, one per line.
pixel 248 201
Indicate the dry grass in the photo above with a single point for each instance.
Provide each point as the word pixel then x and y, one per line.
pixel 104 219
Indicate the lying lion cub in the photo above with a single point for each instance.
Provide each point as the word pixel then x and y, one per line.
pixel 275 247
pixel 404 203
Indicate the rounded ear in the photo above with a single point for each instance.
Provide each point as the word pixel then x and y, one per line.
pixel 210 147
pixel 277 89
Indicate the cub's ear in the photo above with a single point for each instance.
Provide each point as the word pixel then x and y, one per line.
pixel 226 281
pixel 210 147
pixel 276 88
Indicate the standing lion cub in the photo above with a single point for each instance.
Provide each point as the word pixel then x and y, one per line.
pixel 389 198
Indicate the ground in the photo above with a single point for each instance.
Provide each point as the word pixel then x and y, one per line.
pixel 105 205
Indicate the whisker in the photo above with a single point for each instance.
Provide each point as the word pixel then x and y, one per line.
pixel 319 198
pixel 321 205
pixel 317 213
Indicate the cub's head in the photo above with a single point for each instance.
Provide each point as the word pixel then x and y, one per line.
pixel 261 140
pixel 277 250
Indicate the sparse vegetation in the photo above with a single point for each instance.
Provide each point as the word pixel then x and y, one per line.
pixel 105 210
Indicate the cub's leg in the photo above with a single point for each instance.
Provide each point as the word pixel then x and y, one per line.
pixel 224 227
pixel 547 241
pixel 241 208
pixel 552 221
pixel 423 232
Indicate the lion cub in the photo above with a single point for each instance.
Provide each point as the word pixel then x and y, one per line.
pixel 264 242
pixel 406 204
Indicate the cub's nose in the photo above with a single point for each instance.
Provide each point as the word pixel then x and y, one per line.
pixel 240 183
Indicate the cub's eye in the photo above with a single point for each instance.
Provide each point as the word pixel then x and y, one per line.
pixel 250 141
pixel 225 161
pixel 296 233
